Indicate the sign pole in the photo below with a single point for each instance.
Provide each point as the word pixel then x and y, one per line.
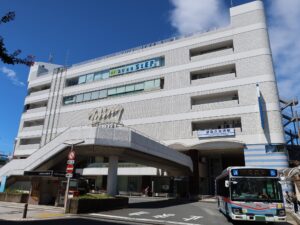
pixel 67 187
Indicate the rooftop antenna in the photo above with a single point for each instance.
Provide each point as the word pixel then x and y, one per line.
pixel 67 58
pixel 50 59
pixel 231 2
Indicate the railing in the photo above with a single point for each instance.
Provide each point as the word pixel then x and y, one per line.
pixel 215 105
pixel 36 93
pixel 26 147
pixel 32 128
pixel 142 47
pixel 214 79
pixel 214 54
pixel 105 165
pixel 40 109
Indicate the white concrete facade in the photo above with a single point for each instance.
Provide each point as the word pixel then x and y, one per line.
pixel 206 81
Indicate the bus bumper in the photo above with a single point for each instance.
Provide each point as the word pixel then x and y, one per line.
pixel 259 218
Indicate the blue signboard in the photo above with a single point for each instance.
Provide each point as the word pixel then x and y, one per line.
pixel 3 182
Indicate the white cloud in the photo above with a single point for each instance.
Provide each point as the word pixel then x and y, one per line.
pixel 284 29
pixel 190 16
pixel 12 75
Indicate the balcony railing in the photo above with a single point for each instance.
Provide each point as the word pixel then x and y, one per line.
pixel 32 128
pixel 28 147
pixel 214 79
pixel 40 109
pixel 103 165
pixel 37 93
pixel 215 105
pixel 214 54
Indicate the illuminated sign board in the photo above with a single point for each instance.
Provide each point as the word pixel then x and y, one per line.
pixel 144 65
pixel 254 172
pixel 216 132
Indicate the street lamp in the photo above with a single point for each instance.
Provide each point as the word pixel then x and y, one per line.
pixel 72 144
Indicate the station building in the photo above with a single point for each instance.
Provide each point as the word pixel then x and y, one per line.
pixel 195 105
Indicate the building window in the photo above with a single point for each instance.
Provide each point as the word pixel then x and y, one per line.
pixel 79 98
pixel 149 84
pixel 130 88
pixel 98 76
pixel 103 94
pixel 82 79
pixel 89 78
pixel 87 96
pixel 139 87
pixel 121 90
pixel 112 91
pixel 69 100
pixel 95 95
pixel 122 70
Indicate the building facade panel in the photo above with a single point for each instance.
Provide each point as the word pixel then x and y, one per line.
pixel 174 92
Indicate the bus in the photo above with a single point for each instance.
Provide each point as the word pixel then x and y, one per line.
pixel 250 194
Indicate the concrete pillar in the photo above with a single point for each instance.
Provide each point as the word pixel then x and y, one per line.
pixel 194 179
pixel 112 176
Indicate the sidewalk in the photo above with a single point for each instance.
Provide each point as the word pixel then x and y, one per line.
pixel 14 211
pixel 294 215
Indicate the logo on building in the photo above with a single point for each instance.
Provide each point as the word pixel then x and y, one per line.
pixel 106 117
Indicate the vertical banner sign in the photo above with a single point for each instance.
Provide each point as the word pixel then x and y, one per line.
pixel 260 105
pixel 3 182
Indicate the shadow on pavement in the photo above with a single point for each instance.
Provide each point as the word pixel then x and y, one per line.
pixel 160 204
pixel 73 221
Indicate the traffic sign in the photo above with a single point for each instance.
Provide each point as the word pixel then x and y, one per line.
pixel 69 175
pixel 71 155
pixel 70 168
pixel 70 161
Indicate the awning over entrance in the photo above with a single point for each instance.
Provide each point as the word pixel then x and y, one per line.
pixel 120 142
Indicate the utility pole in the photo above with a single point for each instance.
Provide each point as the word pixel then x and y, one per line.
pixel 68 176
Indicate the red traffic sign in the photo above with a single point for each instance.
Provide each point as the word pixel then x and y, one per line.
pixel 70 168
pixel 71 155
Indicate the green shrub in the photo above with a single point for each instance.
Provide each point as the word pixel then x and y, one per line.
pixel 13 191
pixel 94 196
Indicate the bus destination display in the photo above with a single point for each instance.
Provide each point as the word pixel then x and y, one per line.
pixel 254 172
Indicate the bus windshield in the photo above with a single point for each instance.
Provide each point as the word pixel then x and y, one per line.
pixel 255 189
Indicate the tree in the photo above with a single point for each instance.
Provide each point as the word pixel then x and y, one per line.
pixel 13 57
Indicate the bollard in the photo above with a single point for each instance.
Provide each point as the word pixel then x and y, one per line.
pixel 25 210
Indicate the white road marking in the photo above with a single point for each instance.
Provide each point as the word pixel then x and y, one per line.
pixel 140 219
pixel 192 218
pixel 163 216
pixel 138 213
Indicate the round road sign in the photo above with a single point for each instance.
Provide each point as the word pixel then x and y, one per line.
pixel 71 155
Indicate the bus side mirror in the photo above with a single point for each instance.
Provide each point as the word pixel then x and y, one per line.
pixel 227 183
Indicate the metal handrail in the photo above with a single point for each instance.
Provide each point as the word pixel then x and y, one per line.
pixel 171 39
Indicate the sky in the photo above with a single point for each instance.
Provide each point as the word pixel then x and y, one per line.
pixel 79 30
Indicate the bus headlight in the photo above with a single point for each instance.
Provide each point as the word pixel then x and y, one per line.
pixel 237 211
pixel 281 212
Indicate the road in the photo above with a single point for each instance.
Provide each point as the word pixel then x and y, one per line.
pixel 172 212
pixel 140 211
